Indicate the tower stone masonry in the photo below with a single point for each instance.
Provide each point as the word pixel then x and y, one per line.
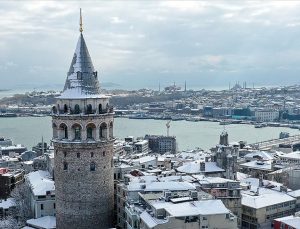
pixel 82 122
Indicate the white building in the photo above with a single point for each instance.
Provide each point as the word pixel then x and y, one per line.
pixel 141 146
pixel 42 193
pixel 265 115
pixel 190 214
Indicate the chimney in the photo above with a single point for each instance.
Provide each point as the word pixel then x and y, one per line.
pixel 224 138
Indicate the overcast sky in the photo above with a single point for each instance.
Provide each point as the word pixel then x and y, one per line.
pixel 137 44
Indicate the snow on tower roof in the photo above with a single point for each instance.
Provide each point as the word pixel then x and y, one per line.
pixel 82 79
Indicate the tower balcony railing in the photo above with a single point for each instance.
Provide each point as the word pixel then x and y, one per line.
pixel 81 140
pixel 109 110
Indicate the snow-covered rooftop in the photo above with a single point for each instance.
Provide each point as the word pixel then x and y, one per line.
pixel 291 221
pixel 41 182
pixel 5 204
pixel 292 155
pixel 192 208
pixel 46 222
pixel 259 165
pixel 194 167
pixel 266 197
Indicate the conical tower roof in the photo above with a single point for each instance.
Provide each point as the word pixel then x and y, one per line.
pixel 82 79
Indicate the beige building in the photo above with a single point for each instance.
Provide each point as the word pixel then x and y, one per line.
pixel 261 207
pixel 190 214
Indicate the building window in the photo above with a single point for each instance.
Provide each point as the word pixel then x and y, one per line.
pixel 92 166
pixel 78 155
pixel 92 154
pixel 65 154
pixel 103 153
pixel 54 205
pixel 65 166
pixel 42 206
pixel 103 130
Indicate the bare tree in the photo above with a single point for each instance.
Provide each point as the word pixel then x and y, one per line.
pixel 8 222
pixel 22 197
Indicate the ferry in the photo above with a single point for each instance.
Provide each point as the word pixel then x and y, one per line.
pixel 224 122
pixel 8 115
pixel 260 125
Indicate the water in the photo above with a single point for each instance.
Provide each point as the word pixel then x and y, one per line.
pixel 29 131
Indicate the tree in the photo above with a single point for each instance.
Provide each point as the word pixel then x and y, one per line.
pixel 22 197
pixel 8 222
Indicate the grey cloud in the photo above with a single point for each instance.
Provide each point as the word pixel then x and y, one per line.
pixel 137 44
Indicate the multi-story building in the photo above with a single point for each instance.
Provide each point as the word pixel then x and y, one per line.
pixel 162 144
pixel 42 196
pixel 129 192
pixel 9 180
pixel 265 115
pixel 181 212
pixel 82 122
pixel 141 146
pixel 261 207
pixel 229 191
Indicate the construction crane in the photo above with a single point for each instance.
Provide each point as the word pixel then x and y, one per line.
pixel 168 127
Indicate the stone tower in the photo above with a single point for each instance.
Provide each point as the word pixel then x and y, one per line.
pixel 225 156
pixel 82 122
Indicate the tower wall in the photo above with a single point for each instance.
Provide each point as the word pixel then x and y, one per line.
pixel 83 166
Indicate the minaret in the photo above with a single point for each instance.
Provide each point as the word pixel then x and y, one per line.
pixel 82 122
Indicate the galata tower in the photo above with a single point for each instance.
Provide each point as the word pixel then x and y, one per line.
pixel 82 122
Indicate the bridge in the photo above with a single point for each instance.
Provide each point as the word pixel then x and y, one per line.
pixel 273 143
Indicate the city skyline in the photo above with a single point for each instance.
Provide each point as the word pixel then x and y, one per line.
pixel 140 44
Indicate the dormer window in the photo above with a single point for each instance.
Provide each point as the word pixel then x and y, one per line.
pixel 79 75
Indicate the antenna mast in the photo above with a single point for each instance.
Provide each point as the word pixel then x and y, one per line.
pixel 80 23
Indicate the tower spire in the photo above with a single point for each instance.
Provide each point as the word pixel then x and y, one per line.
pixel 80 22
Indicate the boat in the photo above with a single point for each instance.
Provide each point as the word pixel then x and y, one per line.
pixel 8 115
pixel 260 125
pixel 138 116
pixel 224 122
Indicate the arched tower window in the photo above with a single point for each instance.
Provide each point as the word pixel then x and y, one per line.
pixel 76 131
pixel 54 128
pixel 103 130
pixel 54 110
pixel 63 131
pixel 100 108
pixel 107 107
pixel 89 109
pixel 90 131
pixel 76 109
pixel 65 108
pixel 92 166
pixel 111 128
